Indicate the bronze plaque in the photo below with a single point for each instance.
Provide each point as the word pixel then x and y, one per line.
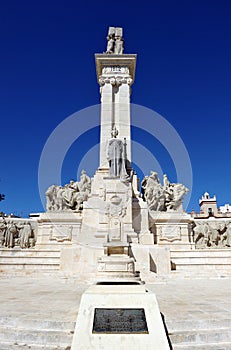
pixel 119 321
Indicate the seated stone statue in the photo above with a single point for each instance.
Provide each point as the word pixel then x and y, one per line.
pixel 69 197
pixel 162 198
pixel 153 192
pixel 69 194
pixel 175 196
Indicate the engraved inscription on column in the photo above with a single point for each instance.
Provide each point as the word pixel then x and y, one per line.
pixel 119 321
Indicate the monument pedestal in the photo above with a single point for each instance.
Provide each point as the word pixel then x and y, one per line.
pixel 58 228
pixel 152 260
pixel 172 229
pixel 108 211
pixel 125 317
pixel 116 265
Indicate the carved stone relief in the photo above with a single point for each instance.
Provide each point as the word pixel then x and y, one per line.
pixel 212 234
pixel 20 233
pixel 169 233
pixel 61 233
pixel 115 210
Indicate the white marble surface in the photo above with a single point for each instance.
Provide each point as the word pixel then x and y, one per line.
pixel 119 296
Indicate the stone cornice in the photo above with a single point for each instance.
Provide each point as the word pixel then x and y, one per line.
pixel 114 80
pixel 106 60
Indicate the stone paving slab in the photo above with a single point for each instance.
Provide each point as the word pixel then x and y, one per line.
pixel 58 298
pixel 196 301
pixel 44 298
pixel 52 302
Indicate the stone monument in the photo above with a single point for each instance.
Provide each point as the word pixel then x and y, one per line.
pixel 108 218
pixel 118 311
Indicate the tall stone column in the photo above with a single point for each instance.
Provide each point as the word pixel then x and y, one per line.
pixel 115 74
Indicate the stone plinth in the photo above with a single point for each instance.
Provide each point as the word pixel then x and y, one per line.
pixel 108 212
pixel 141 220
pixel 79 261
pixel 116 265
pixel 151 260
pixel 118 333
pixel 172 229
pixel 58 228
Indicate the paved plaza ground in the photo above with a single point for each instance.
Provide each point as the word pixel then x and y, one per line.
pixel 183 302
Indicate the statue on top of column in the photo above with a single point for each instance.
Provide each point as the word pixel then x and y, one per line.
pixel 115 41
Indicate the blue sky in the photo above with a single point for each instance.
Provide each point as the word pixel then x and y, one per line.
pixel 47 73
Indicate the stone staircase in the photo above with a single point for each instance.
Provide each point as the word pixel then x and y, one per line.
pixel 15 261
pixel 24 330
pixel 202 262
pixel 200 334
pixel 57 335
pixel 35 335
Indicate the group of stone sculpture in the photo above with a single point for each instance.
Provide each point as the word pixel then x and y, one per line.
pixel 19 233
pixel 115 42
pixel 71 196
pixel 212 234
pixel 162 198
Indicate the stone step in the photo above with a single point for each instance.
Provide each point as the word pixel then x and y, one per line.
pixel 175 325
pixel 20 267
pixel 52 338
pixel 33 260
pixel 39 324
pixel 201 253
pixel 16 252
pixel 29 260
pixel 201 262
pixel 203 337
pixel 200 334
pixel 34 333
pixel 24 346
pixel 226 262
pixel 202 257
pixel 210 346
pixel 202 271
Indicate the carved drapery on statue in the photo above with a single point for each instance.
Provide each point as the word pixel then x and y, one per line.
pixel 17 233
pixel 166 197
pixel 71 196
pixel 116 155
pixel 213 234
pixel 115 42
